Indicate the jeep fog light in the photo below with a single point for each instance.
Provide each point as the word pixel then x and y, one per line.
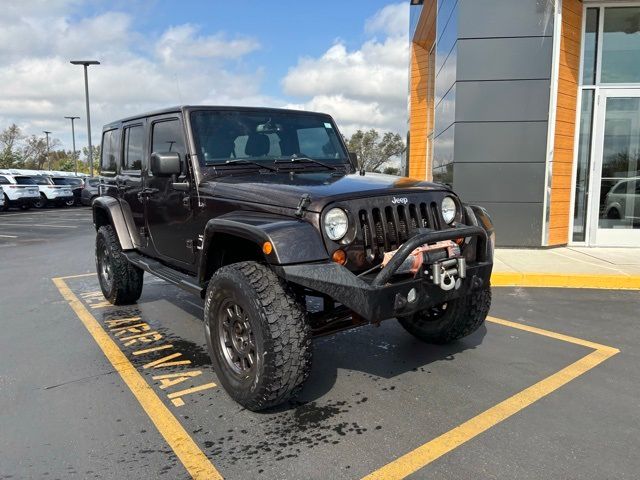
pixel 448 209
pixel 336 223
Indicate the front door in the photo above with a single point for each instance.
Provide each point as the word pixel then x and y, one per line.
pixel 169 210
pixel 615 205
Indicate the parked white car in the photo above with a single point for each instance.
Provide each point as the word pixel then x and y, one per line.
pixel 19 191
pixel 623 200
pixel 51 193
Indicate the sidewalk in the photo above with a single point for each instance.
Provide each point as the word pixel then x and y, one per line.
pixel 578 267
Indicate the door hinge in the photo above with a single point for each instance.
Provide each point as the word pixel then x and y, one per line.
pixel 190 244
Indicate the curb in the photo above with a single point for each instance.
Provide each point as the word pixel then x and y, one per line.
pixel 563 280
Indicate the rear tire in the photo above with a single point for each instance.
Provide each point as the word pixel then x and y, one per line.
pixel 120 281
pixel 41 203
pixel 451 321
pixel 5 207
pixel 258 336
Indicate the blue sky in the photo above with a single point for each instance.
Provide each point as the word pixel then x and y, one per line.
pixel 349 58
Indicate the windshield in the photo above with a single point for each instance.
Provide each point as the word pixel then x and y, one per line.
pixel 41 180
pixel 221 136
pixel 60 181
pixel 25 181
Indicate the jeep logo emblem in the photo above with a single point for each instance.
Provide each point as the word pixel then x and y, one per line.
pixel 402 200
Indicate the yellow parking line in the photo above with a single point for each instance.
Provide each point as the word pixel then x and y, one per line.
pixel 193 459
pixel 436 448
pixel 559 280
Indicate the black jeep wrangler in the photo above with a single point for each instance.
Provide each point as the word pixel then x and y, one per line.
pixel 265 215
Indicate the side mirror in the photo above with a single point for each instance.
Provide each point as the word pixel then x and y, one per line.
pixel 165 164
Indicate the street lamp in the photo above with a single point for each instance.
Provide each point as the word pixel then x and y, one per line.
pixel 73 140
pixel 86 63
pixel 46 132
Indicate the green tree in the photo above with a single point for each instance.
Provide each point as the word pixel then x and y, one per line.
pixel 374 151
pixel 10 139
pixel 96 160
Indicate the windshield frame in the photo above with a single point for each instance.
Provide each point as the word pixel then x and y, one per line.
pixel 343 158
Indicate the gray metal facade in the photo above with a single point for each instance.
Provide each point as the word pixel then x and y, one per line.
pixel 493 78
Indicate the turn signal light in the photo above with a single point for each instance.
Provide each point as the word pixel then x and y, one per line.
pixel 267 248
pixel 339 257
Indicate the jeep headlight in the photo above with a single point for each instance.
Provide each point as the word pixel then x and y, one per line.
pixel 448 208
pixel 336 223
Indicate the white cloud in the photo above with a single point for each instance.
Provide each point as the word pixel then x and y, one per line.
pixel 363 88
pixel 138 72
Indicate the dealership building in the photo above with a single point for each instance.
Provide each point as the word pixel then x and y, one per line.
pixel 531 108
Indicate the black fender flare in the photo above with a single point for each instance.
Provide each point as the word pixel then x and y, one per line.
pixel 120 219
pixel 479 217
pixel 292 240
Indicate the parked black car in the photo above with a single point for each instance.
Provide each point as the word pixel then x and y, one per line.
pixel 76 184
pixel 264 214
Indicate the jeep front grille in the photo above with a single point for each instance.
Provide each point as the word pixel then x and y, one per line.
pixel 385 229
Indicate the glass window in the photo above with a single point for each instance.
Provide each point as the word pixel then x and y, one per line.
pixel 582 174
pixel 25 181
pixel 133 146
pixel 621 45
pixel 93 183
pixel 590 47
pixel 41 181
pixel 109 151
pixel 265 136
pixel 4 181
pixel 167 136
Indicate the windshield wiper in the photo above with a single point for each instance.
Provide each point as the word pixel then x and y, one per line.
pixel 242 161
pixel 295 159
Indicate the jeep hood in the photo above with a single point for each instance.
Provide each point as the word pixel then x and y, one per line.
pixel 285 189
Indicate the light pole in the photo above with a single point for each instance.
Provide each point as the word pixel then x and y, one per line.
pixel 73 140
pixel 86 63
pixel 46 132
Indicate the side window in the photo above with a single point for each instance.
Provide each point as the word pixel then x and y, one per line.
pixel 109 149
pixel 167 136
pixel 133 148
pixel 4 181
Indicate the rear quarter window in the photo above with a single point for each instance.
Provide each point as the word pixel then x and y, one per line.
pixel 108 159
pixel 4 181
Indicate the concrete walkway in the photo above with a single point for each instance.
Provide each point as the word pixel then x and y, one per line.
pixel 568 267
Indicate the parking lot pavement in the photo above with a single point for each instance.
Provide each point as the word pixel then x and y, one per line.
pixel 37 226
pixel 88 389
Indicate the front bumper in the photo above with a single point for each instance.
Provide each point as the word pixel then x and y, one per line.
pixel 378 298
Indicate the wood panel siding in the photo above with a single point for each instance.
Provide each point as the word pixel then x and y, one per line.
pixel 565 126
pixel 421 93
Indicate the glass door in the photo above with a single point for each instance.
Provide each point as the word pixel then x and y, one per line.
pixel 615 205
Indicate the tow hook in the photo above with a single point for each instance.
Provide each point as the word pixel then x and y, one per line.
pixel 444 273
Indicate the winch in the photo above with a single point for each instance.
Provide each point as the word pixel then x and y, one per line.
pixel 445 265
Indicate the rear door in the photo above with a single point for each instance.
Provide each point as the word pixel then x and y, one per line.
pixel 130 180
pixel 169 211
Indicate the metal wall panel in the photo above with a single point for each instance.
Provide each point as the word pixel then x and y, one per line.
pixel 504 58
pixel 502 101
pixel 505 18
pixel 517 224
pixel 507 182
pixel 511 142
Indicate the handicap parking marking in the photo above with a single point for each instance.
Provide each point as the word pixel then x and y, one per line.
pixel 456 437
pixel 193 459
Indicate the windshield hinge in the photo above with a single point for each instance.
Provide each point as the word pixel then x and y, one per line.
pixel 304 202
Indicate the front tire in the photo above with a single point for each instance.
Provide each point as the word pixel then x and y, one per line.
pixel 120 281
pixel 450 321
pixel 258 336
